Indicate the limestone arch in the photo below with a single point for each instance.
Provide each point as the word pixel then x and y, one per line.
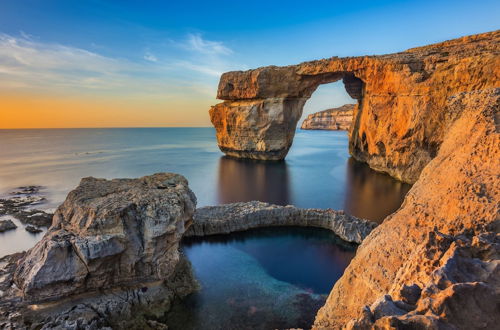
pixel 258 120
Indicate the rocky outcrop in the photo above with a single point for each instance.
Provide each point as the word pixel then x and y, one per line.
pixel 402 114
pixel 228 218
pixel 330 119
pixel 21 206
pixel 435 263
pixel 109 234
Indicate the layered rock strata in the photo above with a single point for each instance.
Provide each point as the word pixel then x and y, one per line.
pixel 435 263
pixel 228 218
pixel 402 114
pixel 330 119
pixel 142 306
pixel 109 234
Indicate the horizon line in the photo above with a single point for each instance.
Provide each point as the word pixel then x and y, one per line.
pixel 103 127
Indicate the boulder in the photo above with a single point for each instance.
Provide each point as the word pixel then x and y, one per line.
pixel 6 225
pixel 109 234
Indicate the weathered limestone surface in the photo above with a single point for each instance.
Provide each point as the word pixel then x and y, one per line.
pixel 228 218
pixel 108 234
pixel 330 119
pixel 132 307
pixel 402 114
pixel 435 263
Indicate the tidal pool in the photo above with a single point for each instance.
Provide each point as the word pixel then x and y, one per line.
pixel 261 279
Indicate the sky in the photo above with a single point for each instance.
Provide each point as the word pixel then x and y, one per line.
pixel 100 63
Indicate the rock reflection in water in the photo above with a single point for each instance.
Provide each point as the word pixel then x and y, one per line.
pixel 242 180
pixel 370 194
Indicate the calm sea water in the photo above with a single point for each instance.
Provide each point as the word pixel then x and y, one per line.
pixel 272 278
pixel 317 172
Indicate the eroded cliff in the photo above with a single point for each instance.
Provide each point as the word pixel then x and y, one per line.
pixel 330 119
pixel 402 115
pixel 435 263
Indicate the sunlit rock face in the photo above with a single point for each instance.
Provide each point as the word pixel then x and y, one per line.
pixel 330 119
pixel 109 234
pixel 434 264
pixel 402 114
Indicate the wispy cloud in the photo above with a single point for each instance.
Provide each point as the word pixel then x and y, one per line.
pixel 196 43
pixel 150 57
pixel 27 63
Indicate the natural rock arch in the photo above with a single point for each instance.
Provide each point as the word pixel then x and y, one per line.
pixel 262 124
pixel 402 114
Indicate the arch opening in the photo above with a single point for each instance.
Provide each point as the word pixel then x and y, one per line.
pixel 326 96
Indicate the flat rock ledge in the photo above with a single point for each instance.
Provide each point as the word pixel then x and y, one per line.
pixel 228 218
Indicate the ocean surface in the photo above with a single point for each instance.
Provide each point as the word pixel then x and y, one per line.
pixel 268 278
pixel 317 173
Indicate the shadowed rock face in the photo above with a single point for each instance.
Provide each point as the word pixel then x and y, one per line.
pixel 330 119
pixel 109 234
pixel 402 114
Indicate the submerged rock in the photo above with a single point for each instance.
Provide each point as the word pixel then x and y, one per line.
pixel 330 119
pixel 6 225
pixel 33 229
pixel 109 234
pixel 26 190
pixel 227 218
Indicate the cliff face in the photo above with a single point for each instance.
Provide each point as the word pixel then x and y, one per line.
pixel 330 119
pixel 435 262
pixel 402 113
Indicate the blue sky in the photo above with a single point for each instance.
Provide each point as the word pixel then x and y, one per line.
pixel 166 51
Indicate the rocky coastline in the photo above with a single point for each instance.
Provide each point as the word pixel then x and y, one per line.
pixel 111 259
pixel 429 115
pixel 330 119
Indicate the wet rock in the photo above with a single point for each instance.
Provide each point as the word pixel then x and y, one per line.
pixel 6 225
pixel 33 229
pixel 331 119
pixel 26 190
pixel 227 218
pixel 19 201
pixel 109 234
pixel 21 206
